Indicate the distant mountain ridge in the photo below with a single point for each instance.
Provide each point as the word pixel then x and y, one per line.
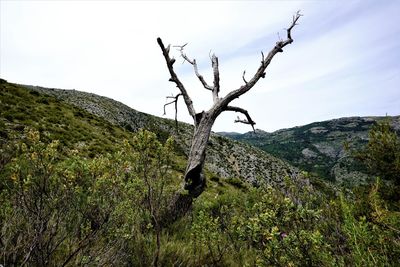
pixel 225 157
pixel 319 147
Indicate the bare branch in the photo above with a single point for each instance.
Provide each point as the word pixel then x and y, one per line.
pixel 260 73
pixel 175 101
pixel 203 82
pixel 214 62
pixel 294 23
pixel 201 78
pixel 174 78
pixel 181 46
pixel 194 64
pixel 194 177
pixel 183 55
pixel 248 119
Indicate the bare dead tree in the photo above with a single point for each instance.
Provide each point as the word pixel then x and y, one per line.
pixel 194 181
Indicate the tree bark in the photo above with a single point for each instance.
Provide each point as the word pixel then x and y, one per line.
pixel 194 177
pixel 195 181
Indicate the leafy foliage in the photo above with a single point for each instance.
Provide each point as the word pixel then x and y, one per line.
pixel 64 209
pixel 55 120
pixel 72 210
pixel 294 226
pixel 100 203
pixel 382 153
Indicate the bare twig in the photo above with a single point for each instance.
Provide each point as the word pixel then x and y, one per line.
pixel 180 49
pixel 214 62
pixel 260 73
pixel 174 78
pixel 194 64
pixel 180 46
pixel 201 78
pixel 175 101
pixel 294 23
pixel 244 79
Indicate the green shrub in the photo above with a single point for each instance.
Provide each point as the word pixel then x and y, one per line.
pixel 382 153
pixel 236 182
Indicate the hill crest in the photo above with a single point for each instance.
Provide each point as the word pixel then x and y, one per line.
pixel 225 158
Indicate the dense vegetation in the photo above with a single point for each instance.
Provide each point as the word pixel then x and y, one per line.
pixel 58 210
pixel 319 147
pixel 381 155
pixel 55 120
pixel 64 204
pixel 225 157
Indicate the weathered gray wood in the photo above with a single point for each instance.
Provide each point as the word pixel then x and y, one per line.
pixel 194 177
pixel 174 78
pixel 243 111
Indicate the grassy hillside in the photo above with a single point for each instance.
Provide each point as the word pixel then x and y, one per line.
pixel 225 157
pixel 54 119
pixel 319 147
pixel 97 196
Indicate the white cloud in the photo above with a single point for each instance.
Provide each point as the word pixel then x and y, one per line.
pixel 110 48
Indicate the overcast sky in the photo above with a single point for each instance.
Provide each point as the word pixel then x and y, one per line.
pixel 344 61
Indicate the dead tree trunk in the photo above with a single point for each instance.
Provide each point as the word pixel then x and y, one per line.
pixel 194 177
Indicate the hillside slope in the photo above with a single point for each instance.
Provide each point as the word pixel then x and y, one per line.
pixel 319 147
pixel 225 158
pixel 87 199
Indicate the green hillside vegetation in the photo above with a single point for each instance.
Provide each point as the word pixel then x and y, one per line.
pixel 55 120
pixel 76 190
pixel 381 156
pixel 225 157
pixel 322 147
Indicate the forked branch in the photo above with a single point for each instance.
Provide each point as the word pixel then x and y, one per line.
pixel 248 119
pixel 214 63
pixel 174 78
pixel 265 61
pixel 194 178
pixel 194 64
pixel 174 101
pixel 294 22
